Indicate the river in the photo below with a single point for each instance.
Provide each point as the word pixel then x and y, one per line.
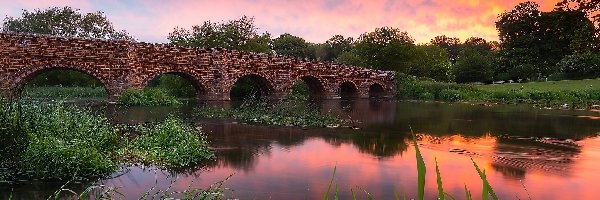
pixel 526 153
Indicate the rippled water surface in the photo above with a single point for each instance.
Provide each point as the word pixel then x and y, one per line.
pixel 554 154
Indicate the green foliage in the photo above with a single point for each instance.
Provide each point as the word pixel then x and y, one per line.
pixel 13 129
pixel 473 66
pixel 299 91
pixel 64 78
pixel 549 94
pixel 60 92
pixel 66 21
pixel 65 160
pixel 385 48
pixel 410 87
pixel 580 66
pixel 173 144
pixel 335 46
pixel 430 61
pixel 294 46
pixel 533 41
pixel 59 142
pixel 287 113
pixel 421 169
pixel 174 85
pixel 246 87
pixel 148 97
pixel 240 34
pixel 67 143
pixel 452 45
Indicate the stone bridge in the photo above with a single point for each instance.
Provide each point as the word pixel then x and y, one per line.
pixel 119 65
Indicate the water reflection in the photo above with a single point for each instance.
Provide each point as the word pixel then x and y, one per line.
pixel 552 152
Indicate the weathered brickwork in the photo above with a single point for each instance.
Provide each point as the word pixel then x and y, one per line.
pixel 120 65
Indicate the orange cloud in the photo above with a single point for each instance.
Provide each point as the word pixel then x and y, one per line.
pixel 316 21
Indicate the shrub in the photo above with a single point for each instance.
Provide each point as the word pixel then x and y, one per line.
pixel 580 66
pixel 173 144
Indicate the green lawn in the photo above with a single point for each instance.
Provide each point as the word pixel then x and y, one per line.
pixel 564 85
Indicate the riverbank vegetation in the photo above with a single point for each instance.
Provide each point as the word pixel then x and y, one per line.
pixel 285 113
pixel 63 92
pixel 550 94
pixel 57 142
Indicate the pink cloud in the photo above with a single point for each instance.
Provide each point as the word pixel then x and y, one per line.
pixel 316 21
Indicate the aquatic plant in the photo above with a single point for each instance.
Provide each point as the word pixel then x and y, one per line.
pixel 58 142
pixel 148 97
pixel 285 113
pixel 172 144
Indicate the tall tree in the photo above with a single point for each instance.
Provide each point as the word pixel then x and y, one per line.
pixel 451 44
pixel 240 34
pixel 385 48
pixel 335 46
pixel 533 41
pixel 66 22
pixel 430 61
pixel 290 45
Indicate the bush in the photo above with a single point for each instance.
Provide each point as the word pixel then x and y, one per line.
pixel 172 144
pixel 52 158
pixel 148 97
pixel 58 142
pixel 580 66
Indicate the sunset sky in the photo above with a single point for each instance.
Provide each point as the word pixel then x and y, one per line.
pixel 315 21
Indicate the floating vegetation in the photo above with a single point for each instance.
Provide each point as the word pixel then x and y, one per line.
pixel 148 97
pixel 285 113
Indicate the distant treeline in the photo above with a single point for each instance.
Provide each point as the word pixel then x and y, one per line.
pixel 533 45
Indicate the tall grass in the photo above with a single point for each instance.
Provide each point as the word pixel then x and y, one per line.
pixel 415 89
pixel 172 144
pixel 63 92
pixel 487 190
pixel 57 142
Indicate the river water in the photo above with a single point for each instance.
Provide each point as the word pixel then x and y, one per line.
pixel 526 153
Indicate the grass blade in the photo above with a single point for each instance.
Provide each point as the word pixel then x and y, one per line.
pixel 528 196
pixel 439 181
pixel 421 170
pixel 326 195
pixel 468 194
pixel 486 185
pixel 337 192
pixel 353 194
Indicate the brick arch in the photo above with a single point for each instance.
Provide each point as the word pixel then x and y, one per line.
pixel 367 89
pixel 266 85
pixel 317 86
pixel 199 85
pixel 21 79
pixel 348 89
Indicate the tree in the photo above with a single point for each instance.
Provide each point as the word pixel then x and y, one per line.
pixel 451 44
pixel 473 66
pixel 66 22
pixel 533 41
pixel 240 34
pixel 478 43
pixel 334 47
pixel 290 45
pixel 384 49
pixel 430 61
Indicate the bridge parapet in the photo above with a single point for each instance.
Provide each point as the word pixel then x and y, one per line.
pixel 121 64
